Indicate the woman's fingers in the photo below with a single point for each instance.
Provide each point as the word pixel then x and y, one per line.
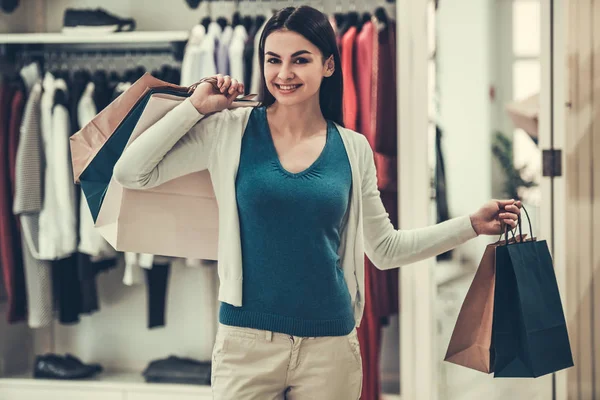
pixel 507 215
pixel 226 84
pixel 234 86
pixel 219 80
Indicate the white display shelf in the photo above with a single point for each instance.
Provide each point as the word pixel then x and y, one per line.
pixel 107 385
pixel 118 37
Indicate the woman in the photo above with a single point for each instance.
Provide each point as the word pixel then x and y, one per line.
pixel 298 208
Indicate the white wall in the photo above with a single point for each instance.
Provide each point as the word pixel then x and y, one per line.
pixel 465 110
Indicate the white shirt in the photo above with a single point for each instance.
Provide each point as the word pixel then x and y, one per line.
pixel 236 53
pixel 190 63
pixel 58 225
pixel 223 65
pixel 90 241
pixel 184 141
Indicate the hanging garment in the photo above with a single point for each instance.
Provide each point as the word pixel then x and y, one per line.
pixel 90 241
pixel 27 206
pixel 58 224
pixel 256 86
pixel 157 282
pixel 223 53
pixel 77 87
pixel 381 286
pixel 134 264
pixel 11 107
pixel 364 81
pixel 349 100
pixel 249 57
pixel 191 64
pixel 236 49
pixel 66 289
pixel 441 194
pixel 385 135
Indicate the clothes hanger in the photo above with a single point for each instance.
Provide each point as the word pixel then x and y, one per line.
pixel 381 16
pixel 248 22
pixel 222 21
pixel 236 19
pixel 205 22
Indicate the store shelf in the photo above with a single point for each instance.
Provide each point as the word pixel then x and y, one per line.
pixel 109 385
pixel 118 37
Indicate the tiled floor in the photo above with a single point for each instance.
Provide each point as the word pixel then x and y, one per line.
pixel 459 383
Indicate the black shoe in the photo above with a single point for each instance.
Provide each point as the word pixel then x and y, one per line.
pixel 96 367
pixel 96 21
pixel 51 366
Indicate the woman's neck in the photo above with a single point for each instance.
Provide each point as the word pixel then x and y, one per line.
pixel 298 121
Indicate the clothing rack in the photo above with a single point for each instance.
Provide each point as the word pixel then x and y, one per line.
pixel 42 52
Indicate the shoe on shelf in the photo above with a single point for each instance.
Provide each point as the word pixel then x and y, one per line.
pixel 96 367
pixel 94 21
pixel 53 366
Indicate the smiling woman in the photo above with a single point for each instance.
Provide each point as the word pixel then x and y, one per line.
pixel 299 207
pixel 298 50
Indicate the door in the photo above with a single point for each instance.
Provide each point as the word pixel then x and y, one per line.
pixel 460 66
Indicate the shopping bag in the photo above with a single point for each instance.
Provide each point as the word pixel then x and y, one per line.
pixel 91 138
pixel 178 218
pixel 94 179
pixel 529 329
pixel 471 342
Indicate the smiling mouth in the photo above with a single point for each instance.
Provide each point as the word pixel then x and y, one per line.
pixel 287 88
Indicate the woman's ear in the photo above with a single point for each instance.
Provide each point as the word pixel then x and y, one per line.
pixel 329 67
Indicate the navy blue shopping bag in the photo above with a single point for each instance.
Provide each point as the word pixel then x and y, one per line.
pixel 95 178
pixel 529 331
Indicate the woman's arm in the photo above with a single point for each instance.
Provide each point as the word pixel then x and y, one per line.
pixel 176 145
pixel 389 248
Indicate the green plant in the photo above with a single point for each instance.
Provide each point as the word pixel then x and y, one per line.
pixel 502 148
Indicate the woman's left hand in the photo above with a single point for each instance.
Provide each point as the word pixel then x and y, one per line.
pixel 492 218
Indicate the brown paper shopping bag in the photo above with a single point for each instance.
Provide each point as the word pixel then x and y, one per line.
pixel 178 218
pixel 471 341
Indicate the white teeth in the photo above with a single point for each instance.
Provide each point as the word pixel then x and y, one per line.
pixel 288 87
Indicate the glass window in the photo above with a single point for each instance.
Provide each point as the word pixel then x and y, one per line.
pixel 526 78
pixel 526 28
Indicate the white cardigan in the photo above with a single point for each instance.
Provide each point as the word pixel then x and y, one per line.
pixel 179 144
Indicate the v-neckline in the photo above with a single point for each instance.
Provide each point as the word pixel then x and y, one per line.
pixel 276 155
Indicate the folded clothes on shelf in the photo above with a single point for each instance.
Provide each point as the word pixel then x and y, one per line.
pixel 54 366
pixel 178 370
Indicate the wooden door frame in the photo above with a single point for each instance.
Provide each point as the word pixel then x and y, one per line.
pixel 418 363
pixel 552 120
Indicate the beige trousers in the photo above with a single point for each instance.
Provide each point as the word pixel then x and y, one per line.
pixel 252 364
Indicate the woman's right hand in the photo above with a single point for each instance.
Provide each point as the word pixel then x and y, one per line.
pixel 208 100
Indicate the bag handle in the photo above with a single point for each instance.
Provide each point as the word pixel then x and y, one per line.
pixel 529 221
pixel 213 81
pixel 520 227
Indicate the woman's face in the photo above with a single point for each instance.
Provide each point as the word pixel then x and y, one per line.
pixel 294 67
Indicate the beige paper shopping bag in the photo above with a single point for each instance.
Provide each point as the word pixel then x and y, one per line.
pixel 178 218
pixel 86 143
pixel 470 344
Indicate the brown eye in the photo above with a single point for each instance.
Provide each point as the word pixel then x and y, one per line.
pixel 301 60
pixel 272 60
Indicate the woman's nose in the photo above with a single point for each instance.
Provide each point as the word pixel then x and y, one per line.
pixel 285 73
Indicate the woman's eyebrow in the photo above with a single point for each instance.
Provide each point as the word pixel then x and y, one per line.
pixel 296 54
